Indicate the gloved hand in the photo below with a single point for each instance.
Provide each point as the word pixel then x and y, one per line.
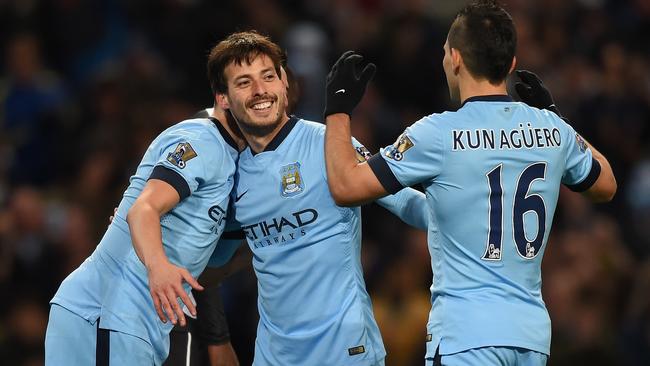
pixel 345 87
pixel 532 91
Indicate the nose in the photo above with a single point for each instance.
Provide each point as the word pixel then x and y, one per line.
pixel 258 87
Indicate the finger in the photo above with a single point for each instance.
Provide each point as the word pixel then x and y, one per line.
pixel 524 91
pixel 353 59
pixel 186 300
pixel 330 76
pixel 167 308
pixel 351 62
pixel 156 304
pixel 189 279
pixel 529 78
pixel 345 55
pixel 368 73
pixel 341 59
pixel 172 296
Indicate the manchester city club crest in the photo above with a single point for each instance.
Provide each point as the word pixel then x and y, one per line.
pixel 291 182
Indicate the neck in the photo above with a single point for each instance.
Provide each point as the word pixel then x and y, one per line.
pixel 471 87
pixel 220 115
pixel 259 143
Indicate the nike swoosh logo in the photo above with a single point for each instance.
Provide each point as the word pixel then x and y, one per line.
pixel 339 91
pixel 240 196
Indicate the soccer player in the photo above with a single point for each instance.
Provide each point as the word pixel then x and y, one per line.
pixel 163 234
pixel 312 301
pixel 493 171
pixel 206 338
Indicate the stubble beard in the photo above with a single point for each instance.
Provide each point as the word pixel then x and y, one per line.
pixel 257 130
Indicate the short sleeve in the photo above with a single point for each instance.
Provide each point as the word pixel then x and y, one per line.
pixel 581 169
pixel 185 160
pixel 415 157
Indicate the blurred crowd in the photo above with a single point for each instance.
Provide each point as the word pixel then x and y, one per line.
pixel 86 85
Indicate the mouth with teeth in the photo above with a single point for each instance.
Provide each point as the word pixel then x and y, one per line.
pixel 261 105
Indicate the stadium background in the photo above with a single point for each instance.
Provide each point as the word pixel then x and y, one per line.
pixel 86 85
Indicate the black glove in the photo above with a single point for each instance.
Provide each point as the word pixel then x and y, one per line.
pixel 532 91
pixel 345 87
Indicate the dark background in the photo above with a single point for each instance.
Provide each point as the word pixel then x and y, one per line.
pixel 86 85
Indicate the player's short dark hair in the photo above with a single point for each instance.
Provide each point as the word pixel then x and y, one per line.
pixel 485 35
pixel 239 47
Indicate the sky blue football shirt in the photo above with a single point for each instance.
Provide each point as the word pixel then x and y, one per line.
pixel 197 157
pixel 492 173
pixel 313 305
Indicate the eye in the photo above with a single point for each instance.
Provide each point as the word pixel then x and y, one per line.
pixel 269 77
pixel 242 83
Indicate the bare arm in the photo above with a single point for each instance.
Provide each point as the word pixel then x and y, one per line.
pixel 222 355
pixel 351 183
pixel 605 186
pixel 165 279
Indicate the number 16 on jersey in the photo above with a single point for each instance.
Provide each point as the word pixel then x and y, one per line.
pixel 524 202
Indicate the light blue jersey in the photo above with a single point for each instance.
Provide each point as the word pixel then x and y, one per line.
pixel 312 300
pixel 492 173
pixel 197 157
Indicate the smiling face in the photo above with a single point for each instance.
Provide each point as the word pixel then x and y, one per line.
pixel 256 96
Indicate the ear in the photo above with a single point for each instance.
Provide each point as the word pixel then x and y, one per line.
pixel 456 60
pixel 222 101
pixel 514 64
pixel 284 77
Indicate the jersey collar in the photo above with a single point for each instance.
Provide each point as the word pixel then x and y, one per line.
pixel 487 98
pixel 226 136
pixel 282 134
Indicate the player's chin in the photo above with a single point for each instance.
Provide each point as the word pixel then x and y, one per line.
pixel 265 121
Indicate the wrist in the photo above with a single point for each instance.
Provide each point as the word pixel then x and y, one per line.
pixel 155 261
pixel 338 117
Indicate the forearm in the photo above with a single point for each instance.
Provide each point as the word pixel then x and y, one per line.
pixel 351 183
pixel 340 157
pixel 605 167
pixel 605 186
pixel 409 205
pixel 144 225
pixel 222 355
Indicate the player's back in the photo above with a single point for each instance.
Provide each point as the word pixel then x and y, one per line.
pixel 314 308
pixel 501 167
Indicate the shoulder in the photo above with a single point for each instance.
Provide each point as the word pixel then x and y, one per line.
pixel 435 121
pixel 196 129
pixel 199 133
pixel 196 126
pixel 309 132
pixel 312 127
